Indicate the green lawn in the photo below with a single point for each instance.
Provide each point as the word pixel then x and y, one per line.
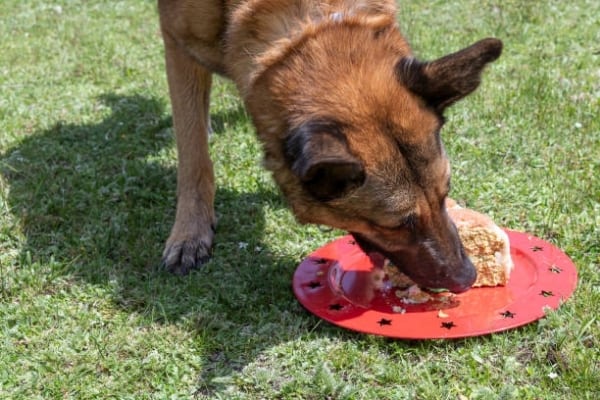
pixel 87 184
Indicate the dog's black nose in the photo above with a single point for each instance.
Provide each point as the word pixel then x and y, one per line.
pixel 465 279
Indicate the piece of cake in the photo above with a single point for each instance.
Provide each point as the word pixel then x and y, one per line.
pixel 486 244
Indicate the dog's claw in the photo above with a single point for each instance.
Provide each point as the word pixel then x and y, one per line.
pixel 181 258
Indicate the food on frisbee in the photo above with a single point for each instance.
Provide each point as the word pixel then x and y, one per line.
pixel 397 278
pixel 486 245
pixel 398 310
pixel 413 295
pixel 414 298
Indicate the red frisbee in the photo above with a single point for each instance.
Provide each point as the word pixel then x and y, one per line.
pixel 339 284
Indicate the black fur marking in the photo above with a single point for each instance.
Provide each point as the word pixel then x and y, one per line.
pixel 318 153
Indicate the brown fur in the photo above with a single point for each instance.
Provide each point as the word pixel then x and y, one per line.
pixel 348 118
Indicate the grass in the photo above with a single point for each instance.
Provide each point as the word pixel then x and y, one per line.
pixel 87 168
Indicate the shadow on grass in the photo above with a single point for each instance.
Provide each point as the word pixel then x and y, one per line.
pixel 83 192
pixel 99 199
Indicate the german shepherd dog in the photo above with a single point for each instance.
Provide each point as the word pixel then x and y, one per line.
pixel 349 121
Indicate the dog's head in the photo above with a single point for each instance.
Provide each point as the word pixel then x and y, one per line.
pixel 351 130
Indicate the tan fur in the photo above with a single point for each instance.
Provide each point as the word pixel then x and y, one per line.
pixel 348 119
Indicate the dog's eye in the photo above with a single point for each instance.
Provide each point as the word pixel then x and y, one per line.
pixel 408 222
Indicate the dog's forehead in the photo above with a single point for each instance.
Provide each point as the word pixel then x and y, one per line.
pixel 390 118
pixel 413 121
pixel 405 136
pixel 400 181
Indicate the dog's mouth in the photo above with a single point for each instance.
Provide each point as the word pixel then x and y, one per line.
pixel 424 270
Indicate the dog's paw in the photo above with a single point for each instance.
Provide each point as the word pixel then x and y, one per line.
pixel 185 254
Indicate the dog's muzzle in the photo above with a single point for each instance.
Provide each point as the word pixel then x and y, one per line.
pixel 427 270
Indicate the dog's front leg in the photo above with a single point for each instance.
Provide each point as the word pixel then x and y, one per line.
pixel 190 242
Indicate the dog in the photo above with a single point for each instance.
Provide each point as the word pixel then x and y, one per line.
pixel 348 118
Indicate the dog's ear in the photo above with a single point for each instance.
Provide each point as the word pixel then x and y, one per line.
pixel 318 154
pixel 448 79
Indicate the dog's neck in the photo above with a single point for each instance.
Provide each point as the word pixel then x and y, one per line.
pixel 271 29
